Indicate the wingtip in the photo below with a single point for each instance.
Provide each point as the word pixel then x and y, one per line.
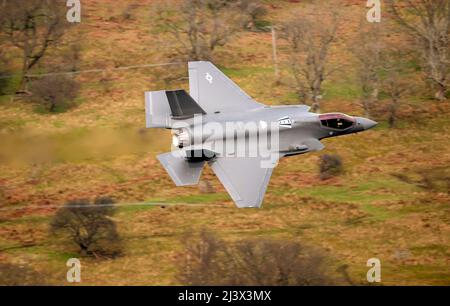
pixel 241 204
pixel 196 63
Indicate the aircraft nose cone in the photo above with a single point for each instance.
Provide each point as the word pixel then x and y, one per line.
pixel 367 123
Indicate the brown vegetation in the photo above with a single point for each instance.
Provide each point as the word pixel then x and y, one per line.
pixel 99 148
pixel 89 226
pixel 33 26
pixel 20 275
pixel 55 92
pixel 309 40
pixel 205 25
pixel 330 165
pixel 209 260
pixel 428 21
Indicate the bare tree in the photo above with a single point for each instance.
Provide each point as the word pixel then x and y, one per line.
pixel 89 226
pixel 281 263
pixel 394 81
pixel 55 91
pixel 72 57
pixel 203 26
pixel 428 21
pixel 33 26
pixel 4 72
pixel 367 49
pixel 208 260
pixel 199 263
pixel 253 11
pixel 309 40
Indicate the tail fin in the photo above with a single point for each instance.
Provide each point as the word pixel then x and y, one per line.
pixel 215 92
pixel 183 173
pixel 163 106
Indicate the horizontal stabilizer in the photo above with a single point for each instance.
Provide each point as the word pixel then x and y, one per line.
pixel 182 172
pixel 157 110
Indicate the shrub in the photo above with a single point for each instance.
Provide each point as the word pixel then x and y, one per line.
pixel 55 92
pixel 128 11
pixel 330 165
pixel 19 275
pixel 435 179
pixel 208 260
pixel 431 179
pixel 89 226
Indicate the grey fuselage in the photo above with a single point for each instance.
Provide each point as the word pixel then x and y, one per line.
pixel 299 130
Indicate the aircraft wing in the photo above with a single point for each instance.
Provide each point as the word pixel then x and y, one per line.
pixel 215 92
pixel 244 179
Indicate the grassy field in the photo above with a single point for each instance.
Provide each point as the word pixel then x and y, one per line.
pixel 379 207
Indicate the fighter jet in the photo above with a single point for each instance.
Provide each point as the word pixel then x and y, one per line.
pixel 219 124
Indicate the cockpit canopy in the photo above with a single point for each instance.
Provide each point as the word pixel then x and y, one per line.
pixel 337 121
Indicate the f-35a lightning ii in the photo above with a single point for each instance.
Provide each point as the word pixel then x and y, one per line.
pixel 241 139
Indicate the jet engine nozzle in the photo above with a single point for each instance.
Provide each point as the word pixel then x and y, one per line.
pixel 180 139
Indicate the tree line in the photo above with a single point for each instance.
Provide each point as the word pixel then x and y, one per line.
pixel 383 66
pixel 197 28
